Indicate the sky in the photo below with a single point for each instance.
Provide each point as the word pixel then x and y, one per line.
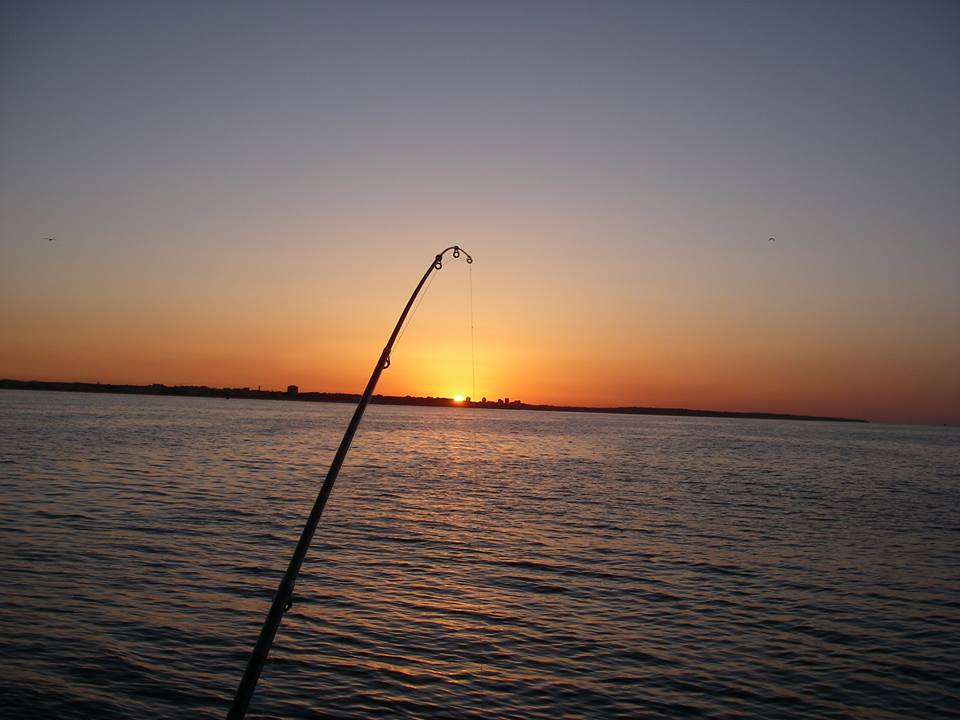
pixel 246 193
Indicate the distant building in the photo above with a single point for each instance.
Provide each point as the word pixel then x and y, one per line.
pixel 292 389
pixel 506 401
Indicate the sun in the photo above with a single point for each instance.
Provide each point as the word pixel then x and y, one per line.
pixel 458 398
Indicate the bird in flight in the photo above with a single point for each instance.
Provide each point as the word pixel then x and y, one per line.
pixel 50 239
pixel 773 239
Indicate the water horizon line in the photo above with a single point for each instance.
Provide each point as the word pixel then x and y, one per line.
pixel 293 393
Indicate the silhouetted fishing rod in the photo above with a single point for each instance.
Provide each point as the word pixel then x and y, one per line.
pixel 283 599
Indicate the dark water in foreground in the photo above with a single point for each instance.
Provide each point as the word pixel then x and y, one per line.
pixel 474 563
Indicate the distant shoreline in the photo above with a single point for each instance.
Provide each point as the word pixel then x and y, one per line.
pixel 247 393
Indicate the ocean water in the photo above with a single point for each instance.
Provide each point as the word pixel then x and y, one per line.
pixel 473 564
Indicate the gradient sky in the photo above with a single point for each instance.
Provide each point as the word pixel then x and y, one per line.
pixel 245 194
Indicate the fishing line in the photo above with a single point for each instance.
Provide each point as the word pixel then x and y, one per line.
pixel 474 465
pixel 473 352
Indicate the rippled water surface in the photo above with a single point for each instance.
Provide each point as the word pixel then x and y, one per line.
pixel 473 563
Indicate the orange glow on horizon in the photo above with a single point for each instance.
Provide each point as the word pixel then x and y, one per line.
pixel 633 339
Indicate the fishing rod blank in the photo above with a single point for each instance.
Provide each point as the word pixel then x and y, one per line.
pixel 283 599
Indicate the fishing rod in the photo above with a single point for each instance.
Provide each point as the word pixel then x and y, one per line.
pixel 283 599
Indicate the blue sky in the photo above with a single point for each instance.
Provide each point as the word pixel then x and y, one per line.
pixel 213 158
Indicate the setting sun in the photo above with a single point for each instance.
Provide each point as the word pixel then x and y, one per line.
pixel 458 398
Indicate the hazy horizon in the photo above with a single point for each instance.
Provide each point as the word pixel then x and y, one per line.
pixel 457 400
